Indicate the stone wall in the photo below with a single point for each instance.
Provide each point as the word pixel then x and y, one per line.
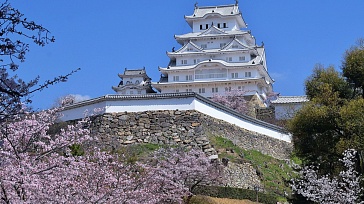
pixel 190 128
pixel 157 127
pixel 265 113
pixel 247 139
pixel 241 176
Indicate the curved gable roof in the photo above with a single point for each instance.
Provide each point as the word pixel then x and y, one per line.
pixel 237 42
pixel 223 11
pixel 188 45
pixel 212 30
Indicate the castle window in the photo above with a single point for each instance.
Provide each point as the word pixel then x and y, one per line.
pixel 207 26
pixel 218 25
pixel 137 82
pixel 188 90
pixel 188 77
pixel 225 25
pixel 204 46
pixel 215 90
pixel 210 74
pixel 201 27
pixel 175 78
pixel 183 61
pixel 201 90
pixel 177 90
pixel 242 58
pixel 139 92
pixel 195 61
pixel 248 74
pixel 229 59
pixel 234 75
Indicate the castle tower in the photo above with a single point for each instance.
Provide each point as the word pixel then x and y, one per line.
pixel 219 55
pixel 134 82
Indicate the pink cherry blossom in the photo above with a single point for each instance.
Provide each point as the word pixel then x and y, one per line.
pixel 327 189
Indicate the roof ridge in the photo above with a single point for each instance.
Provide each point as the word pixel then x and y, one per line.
pixel 206 7
pixel 292 96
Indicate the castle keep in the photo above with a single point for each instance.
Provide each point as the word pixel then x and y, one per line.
pixel 219 55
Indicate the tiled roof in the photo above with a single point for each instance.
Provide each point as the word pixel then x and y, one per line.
pixel 198 34
pixel 186 45
pixel 223 10
pixel 224 63
pixel 134 72
pixel 290 99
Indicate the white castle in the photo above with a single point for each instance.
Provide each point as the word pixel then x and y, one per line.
pixel 219 55
pixel 216 57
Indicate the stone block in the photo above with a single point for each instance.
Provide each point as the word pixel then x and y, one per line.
pixel 187 141
pixel 129 142
pixel 209 150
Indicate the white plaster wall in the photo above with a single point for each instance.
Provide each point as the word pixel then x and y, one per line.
pixel 208 110
pixel 231 23
pixel 132 80
pixel 150 105
pixel 250 88
pixel 132 92
pixel 240 70
pixel 217 56
pixel 77 113
pixel 286 111
pixel 169 89
pixel 241 73
pixel 131 106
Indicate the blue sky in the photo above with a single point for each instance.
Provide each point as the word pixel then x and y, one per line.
pixel 104 37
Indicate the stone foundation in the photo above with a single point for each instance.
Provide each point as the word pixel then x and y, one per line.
pixel 190 128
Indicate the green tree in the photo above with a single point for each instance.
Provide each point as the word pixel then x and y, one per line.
pixel 330 123
pixel 353 66
pixel 351 122
pixel 326 79
pixel 315 134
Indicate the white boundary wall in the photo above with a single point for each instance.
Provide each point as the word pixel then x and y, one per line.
pixel 131 105
pixel 181 101
pixel 222 115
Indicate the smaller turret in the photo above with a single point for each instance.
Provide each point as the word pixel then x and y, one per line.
pixel 134 82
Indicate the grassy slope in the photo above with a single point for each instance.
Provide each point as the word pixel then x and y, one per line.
pixel 274 173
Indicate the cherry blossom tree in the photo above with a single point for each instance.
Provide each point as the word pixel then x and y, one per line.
pixel 326 189
pixel 32 161
pixel 37 166
pixel 233 99
pixel 181 171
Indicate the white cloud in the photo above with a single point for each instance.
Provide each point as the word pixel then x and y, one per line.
pixel 79 97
